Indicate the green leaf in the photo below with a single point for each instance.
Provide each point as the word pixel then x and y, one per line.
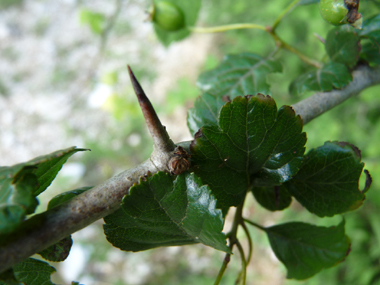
pixel 160 212
pixel 58 251
pixel 190 10
pixel 33 272
pixel 275 198
pixel 8 278
pixel 66 196
pixel 343 46
pixel 327 183
pixel 253 144
pixel 206 111
pixel 371 29
pixel 239 75
pixel 307 249
pixel 47 166
pixel 95 21
pixel 371 53
pixel 16 201
pixel 331 75
pixel 21 183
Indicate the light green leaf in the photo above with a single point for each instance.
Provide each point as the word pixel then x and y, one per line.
pixel 95 21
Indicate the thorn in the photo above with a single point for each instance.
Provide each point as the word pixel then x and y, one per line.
pixel 157 130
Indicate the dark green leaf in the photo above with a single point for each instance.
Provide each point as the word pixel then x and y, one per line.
pixel 306 249
pixel 371 29
pixel 253 144
pixel 59 251
pixel 66 196
pixel 206 111
pixel 343 46
pixel 160 212
pixel 331 75
pixel 239 75
pixel 371 53
pixel 190 10
pixel 8 278
pixel 33 272
pixel 273 198
pixel 327 183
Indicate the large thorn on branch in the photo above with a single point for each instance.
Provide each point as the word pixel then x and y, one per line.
pixel 158 132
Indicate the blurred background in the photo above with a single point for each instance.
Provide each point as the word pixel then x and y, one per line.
pixel 63 82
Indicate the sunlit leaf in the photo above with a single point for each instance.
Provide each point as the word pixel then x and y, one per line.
pixel 162 212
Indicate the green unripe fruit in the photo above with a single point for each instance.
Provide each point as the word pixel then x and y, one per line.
pixel 333 11
pixel 168 16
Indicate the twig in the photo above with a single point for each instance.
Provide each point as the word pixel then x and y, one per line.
pixel 47 228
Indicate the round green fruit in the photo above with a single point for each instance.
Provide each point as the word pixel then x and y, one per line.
pixel 168 16
pixel 333 11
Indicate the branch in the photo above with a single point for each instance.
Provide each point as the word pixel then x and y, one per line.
pixel 45 229
pixel 319 103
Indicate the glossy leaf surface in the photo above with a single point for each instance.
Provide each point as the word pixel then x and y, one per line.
pixel 331 75
pixel 162 212
pixel 253 144
pixel 343 46
pixel 33 272
pixel 327 182
pixel 307 249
